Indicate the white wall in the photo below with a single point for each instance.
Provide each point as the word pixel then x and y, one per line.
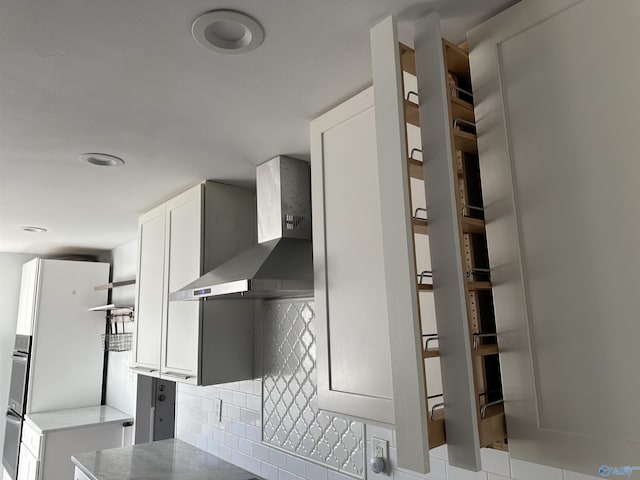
pixel 10 274
pixel 121 383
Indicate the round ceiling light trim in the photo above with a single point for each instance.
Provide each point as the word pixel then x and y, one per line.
pixel 227 32
pixel 32 229
pixel 102 159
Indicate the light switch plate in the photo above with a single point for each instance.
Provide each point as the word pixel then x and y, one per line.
pixel 217 409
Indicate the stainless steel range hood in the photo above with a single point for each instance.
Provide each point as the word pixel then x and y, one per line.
pixel 281 265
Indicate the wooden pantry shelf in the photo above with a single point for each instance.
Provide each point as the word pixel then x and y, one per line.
pixel 122 283
pixel 456 59
pixel 420 226
pixel 436 429
pixel 465 142
pixel 471 286
pixel 411 114
pixel 485 350
pixel 416 169
pixel 431 352
pixel 469 225
pixel 425 287
pixel 462 109
pixel 407 59
pixel 492 426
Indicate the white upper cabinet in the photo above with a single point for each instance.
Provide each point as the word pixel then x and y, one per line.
pixel 368 328
pixel 179 241
pixel 151 291
pixel 555 85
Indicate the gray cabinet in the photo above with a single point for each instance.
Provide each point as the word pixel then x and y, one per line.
pixel 201 343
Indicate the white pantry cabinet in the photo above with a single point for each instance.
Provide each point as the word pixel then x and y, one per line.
pixel 556 105
pixel 195 342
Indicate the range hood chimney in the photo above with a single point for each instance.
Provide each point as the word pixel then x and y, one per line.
pixel 281 265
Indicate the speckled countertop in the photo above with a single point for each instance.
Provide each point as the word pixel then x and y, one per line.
pixel 164 460
pixel 74 418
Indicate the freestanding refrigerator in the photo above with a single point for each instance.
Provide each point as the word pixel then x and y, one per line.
pixel 57 359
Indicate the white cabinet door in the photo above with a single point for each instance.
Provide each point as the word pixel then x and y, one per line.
pixel 354 363
pixel 28 465
pixel 555 87
pixel 150 300
pixel 27 302
pixel 180 338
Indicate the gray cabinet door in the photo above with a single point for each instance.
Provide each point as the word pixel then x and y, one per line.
pixel 555 85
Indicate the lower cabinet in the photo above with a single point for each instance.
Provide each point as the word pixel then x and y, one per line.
pixel 48 456
pixel 195 342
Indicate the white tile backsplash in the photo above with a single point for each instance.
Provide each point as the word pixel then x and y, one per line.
pixel 238 439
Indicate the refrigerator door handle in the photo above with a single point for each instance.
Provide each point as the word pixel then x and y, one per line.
pixel 13 418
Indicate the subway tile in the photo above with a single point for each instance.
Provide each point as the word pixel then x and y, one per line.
pixel 253 465
pixel 401 475
pixel 438 470
pixel 254 402
pixel 379 432
pixel 239 399
pixel 201 442
pixel 238 458
pixel 212 420
pixel 207 404
pixel 257 387
pixel 207 431
pixel 261 452
pixel 188 437
pixel 569 475
pixel 219 435
pixel 226 396
pixel 231 440
pixel 313 471
pixel 254 433
pixel 224 452
pixel 295 465
pixel 250 417
pixel 284 475
pixel 245 446
pixel 440 453
pixel 212 447
pixel 246 386
pixel 521 470
pixel 495 461
pixel 455 473
pixel 277 458
pixel 230 411
pixel 333 475
pixel 491 476
pixel 238 428
pixel 189 400
pixel 269 472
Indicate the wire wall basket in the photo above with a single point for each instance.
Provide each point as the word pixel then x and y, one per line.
pixel 117 342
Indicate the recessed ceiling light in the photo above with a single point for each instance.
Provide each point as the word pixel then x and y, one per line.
pixel 227 32
pixel 33 229
pixel 102 159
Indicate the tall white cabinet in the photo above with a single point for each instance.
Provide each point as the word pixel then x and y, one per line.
pixel 556 112
pixel 194 342
pixel 66 358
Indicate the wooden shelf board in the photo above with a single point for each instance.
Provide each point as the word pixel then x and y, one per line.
pixel 478 286
pixel 110 306
pixel 122 283
pixel 411 114
pixel 465 142
pixel 431 352
pixel 407 59
pixel 436 428
pixel 416 169
pixel 420 226
pixel 493 427
pixel 472 225
pixel 456 59
pixel 485 350
pixel 462 109
pixel 426 287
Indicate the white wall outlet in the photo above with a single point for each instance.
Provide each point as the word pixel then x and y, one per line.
pixel 380 449
pixel 217 409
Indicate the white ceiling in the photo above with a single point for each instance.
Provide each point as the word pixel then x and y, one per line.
pixel 125 77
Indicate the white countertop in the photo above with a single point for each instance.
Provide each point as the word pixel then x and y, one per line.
pixel 74 418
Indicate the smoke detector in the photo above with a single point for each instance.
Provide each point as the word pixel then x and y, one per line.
pixel 227 32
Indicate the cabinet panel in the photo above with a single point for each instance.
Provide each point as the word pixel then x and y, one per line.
pixel 184 259
pixel 354 364
pixel 150 298
pixel 556 139
pixel 27 301
pixel 28 465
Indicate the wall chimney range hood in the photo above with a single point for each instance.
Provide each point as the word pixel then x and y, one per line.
pixel 281 265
